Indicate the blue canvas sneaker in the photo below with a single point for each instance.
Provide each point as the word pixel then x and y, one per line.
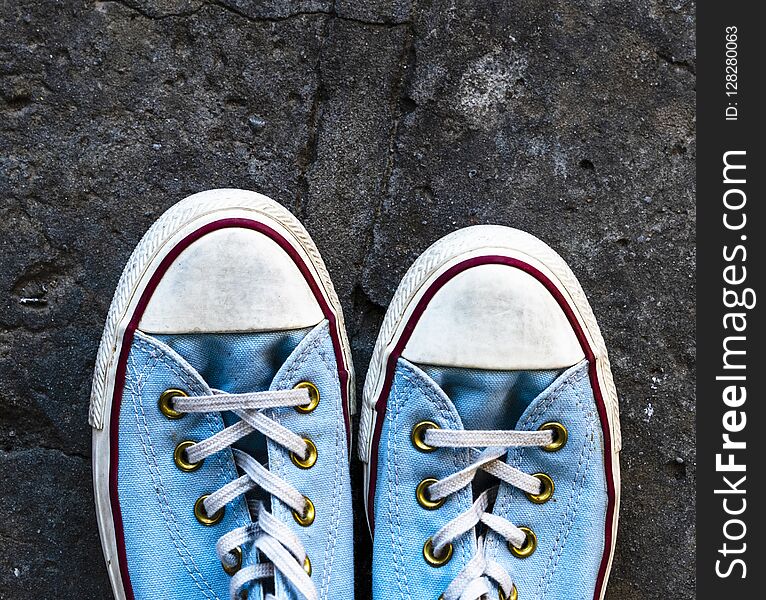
pixel 490 428
pixel 220 411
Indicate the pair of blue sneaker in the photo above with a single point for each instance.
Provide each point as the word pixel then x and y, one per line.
pixel 221 414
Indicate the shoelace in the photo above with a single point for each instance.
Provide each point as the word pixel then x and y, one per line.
pixel 282 549
pixel 472 582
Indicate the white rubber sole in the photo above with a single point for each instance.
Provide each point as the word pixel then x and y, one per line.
pixel 453 249
pixel 173 226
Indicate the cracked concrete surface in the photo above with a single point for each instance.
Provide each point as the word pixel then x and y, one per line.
pixel 383 125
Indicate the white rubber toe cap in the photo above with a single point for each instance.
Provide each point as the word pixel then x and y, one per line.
pixel 231 280
pixel 494 316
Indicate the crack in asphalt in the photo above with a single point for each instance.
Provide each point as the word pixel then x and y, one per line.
pixel 260 19
pixel 308 154
pixel 684 65
pixel 406 55
pixel 68 453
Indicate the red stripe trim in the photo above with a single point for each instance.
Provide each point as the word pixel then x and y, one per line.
pixel 380 404
pixel 128 340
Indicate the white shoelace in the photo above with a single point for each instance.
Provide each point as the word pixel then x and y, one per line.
pixel 472 582
pixel 280 547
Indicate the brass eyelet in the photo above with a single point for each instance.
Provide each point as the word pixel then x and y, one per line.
pixel 311 456
pixel 560 436
pixel 201 514
pixel 528 547
pixel 165 403
pixel 418 436
pixel 421 493
pixel 546 492
pixel 307 518
pixel 432 559
pixel 307 565
pixel 313 397
pixel 231 569
pixel 179 456
pixel 514 594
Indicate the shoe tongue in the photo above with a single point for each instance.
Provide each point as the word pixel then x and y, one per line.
pixel 493 400
pixel 490 399
pixel 237 363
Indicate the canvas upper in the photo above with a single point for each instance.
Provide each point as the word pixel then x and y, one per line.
pixel 569 527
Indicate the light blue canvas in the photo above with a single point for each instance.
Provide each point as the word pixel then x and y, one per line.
pixel 570 526
pixel 170 555
pixel 237 363
pixel 496 397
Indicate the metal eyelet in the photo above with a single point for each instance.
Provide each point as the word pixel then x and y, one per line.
pixel 165 403
pixel 179 457
pixel 560 436
pixel 231 569
pixel 514 594
pixel 308 516
pixel 313 397
pixel 418 433
pixel 421 493
pixel 201 514
pixel 307 566
pixel 432 559
pixel 546 492
pixel 528 547
pixel 311 456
